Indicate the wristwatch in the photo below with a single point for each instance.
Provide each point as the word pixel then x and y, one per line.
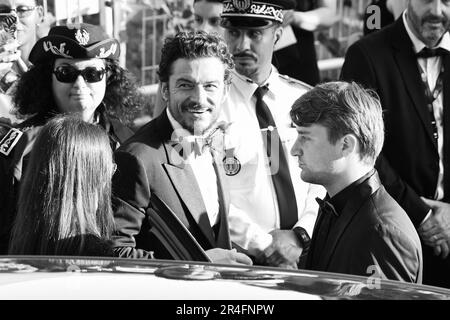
pixel 303 238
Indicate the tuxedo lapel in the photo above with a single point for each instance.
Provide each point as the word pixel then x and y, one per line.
pixel 360 195
pixel 184 182
pixel 183 179
pixel 407 63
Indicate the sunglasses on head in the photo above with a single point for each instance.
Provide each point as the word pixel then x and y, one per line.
pixel 69 74
pixel 21 11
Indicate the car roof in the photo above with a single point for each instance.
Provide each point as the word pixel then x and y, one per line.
pixel 33 277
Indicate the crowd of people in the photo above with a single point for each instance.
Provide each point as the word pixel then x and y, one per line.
pixel 241 163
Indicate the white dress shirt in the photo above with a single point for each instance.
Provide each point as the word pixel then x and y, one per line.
pixel 431 67
pixel 254 208
pixel 202 166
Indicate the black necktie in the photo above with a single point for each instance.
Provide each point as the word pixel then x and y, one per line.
pixel 287 205
pixel 428 53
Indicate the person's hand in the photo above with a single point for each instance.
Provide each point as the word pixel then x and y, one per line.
pixel 223 256
pixel 9 53
pixel 284 251
pixel 288 17
pixel 442 249
pixel 435 231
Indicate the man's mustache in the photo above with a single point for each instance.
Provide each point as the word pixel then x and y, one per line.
pixel 435 19
pixel 193 105
pixel 245 54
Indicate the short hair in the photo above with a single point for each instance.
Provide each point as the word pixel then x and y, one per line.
pixel 344 108
pixel 66 191
pixel 194 45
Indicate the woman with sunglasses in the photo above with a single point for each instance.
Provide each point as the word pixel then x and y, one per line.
pixel 55 216
pixel 75 71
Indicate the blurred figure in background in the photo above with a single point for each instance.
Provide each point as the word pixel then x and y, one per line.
pixel 298 60
pixel 75 71
pixel 65 198
pixel 25 18
pixel 207 15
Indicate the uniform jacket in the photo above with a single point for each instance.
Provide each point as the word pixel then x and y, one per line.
pixel 149 163
pixel 372 236
pixel 409 163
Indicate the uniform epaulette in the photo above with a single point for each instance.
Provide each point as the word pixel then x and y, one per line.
pixel 296 82
pixel 9 136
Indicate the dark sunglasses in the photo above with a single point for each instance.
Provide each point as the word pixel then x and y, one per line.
pixel 22 11
pixel 69 74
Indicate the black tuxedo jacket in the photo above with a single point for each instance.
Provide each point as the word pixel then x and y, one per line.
pixel 148 163
pixel 409 163
pixel 372 236
pixel 386 62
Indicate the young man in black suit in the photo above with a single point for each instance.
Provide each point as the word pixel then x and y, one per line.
pixel 360 228
pixel 408 64
pixel 172 156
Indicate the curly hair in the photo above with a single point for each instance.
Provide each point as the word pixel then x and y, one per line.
pixel 193 45
pixel 33 93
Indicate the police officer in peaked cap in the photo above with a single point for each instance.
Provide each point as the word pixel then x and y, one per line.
pixel 272 211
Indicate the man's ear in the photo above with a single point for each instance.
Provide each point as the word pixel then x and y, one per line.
pixel 41 14
pixel 278 33
pixel 349 144
pixel 164 91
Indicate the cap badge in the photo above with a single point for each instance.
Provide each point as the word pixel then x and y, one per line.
pixel 61 51
pixel 82 36
pixel 242 5
pixel 252 9
pixel 103 54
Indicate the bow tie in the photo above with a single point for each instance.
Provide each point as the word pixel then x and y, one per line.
pixel 195 145
pixel 427 52
pixel 199 144
pixel 326 207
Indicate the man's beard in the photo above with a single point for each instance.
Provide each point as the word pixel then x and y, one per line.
pixel 196 127
pixel 429 36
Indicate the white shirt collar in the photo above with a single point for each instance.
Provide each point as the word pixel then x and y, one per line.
pixel 179 131
pixel 182 135
pixel 247 87
pixel 417 43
